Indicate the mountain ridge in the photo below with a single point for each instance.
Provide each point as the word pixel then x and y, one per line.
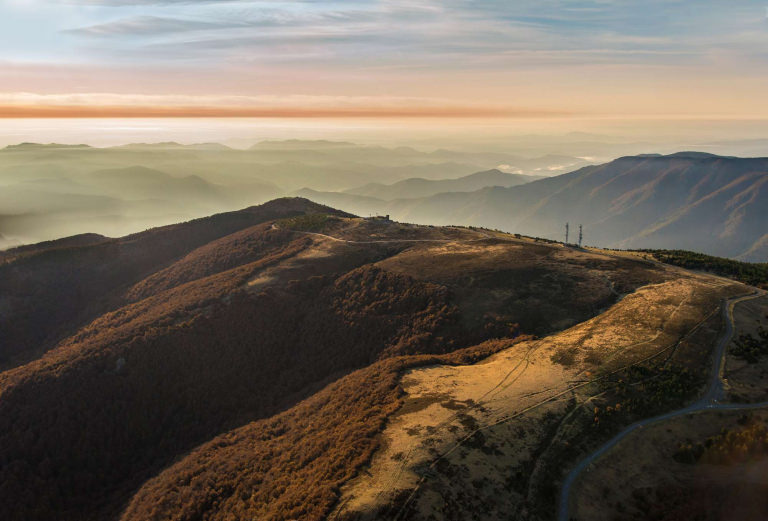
pixel 689 200
pixel 190 331
pixel 416 187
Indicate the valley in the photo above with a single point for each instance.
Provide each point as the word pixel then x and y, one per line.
pixel 48 191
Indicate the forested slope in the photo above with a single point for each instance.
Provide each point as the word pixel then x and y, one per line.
pixel 213 327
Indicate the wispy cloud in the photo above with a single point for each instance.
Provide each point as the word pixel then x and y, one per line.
pixel 149 25
pixel 468 48
pixel 422 30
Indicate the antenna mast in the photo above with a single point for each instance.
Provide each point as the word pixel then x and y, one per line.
pixel 580 236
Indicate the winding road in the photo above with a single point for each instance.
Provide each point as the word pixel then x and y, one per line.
pixel 709 401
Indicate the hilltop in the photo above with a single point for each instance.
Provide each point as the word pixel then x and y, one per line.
pixel 160 341
pixel 270 362
pixel 688 200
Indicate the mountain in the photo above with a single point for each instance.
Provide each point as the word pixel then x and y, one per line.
pixel 51 289
pixel 688 200
pixel 171 145
pixel 145 183
pixel 362 205
pixel 301 144
pixel 244 365
pixel 53 190
pixel 418 187
pixel 43 146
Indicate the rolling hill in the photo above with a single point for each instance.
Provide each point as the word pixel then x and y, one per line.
pixel 688 200
pixel 273 339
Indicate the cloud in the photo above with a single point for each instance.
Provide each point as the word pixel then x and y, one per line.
pixel 439 32
pixel 609 50
pixel 225 19
pixel 149 25
pixel 122 3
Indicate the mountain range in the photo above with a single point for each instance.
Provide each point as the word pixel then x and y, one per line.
pixel 51 190
pixel 688 200
pixel 420 187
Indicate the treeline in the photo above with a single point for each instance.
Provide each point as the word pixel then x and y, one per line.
pixel 643 391
pixel 290 466
pixel 49 290
pixel 192 351
pixel 745 443
pixel 151 381
pixel 308 223
pixel 751 348
pixel 754 274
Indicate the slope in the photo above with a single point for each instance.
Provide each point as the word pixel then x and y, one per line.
pixel 49 290
pixel 212 328
pixel 327 457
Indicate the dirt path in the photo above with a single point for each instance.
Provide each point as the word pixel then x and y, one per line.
pixel 482 237
pixel 506 387
pixel 710 400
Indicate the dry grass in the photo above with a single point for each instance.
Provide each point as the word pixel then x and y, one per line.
pixel 210 346
pixel 519 399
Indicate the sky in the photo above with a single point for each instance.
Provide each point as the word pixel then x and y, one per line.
pixel 384 58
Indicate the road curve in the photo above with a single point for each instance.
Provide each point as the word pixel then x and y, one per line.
pixel 710 400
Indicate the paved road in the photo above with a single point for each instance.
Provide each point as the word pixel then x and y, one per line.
pixel 710 400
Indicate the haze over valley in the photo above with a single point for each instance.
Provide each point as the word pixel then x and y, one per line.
pixel 383 260
pixel 685 200
pixel 49 191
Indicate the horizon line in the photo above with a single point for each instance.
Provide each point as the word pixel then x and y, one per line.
pixel 148 111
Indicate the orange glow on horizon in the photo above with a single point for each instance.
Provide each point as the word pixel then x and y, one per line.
pixel 101 111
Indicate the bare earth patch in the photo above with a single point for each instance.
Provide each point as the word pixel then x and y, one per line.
pixel 468 437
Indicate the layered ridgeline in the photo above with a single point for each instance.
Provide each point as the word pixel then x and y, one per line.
pixel 692 201
pixel 419 187
pixel 244 365
pixel 51 191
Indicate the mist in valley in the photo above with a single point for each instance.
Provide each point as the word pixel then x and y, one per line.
pixel 62 178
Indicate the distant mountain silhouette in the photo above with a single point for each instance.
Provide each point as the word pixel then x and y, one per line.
pixel 33 146
pixel 419 187
pixel 688 200
pixel 173 145
pixel 55 190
